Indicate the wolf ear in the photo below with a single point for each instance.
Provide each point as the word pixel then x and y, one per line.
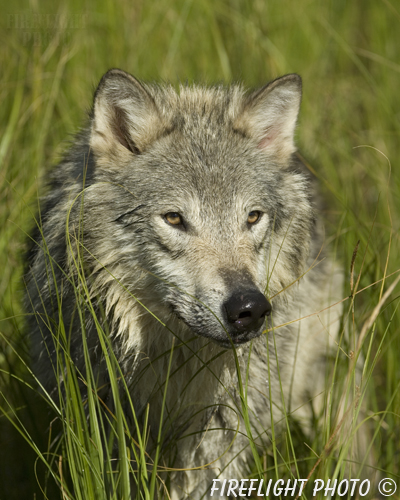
pixel 125 117
pixel 270 115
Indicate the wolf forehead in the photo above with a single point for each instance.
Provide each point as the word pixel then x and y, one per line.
pixel 198 107
pixel 213 135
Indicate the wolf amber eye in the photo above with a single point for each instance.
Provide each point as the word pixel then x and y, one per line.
pixel 173 218
pixel 253 217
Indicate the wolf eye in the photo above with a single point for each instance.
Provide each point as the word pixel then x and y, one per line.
pixel 173 218
pixel 254 217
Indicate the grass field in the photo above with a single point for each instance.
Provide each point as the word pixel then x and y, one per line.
pixel 347 53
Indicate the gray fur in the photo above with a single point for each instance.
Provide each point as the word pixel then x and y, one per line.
pixel 213 155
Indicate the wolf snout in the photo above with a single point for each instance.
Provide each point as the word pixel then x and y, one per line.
pixel 246 311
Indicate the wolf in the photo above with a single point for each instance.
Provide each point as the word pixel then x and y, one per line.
pixel 199 229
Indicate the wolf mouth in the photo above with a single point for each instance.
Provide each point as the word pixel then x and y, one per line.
pixel 237 342
pixel 226 343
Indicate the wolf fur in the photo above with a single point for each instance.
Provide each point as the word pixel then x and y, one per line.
pixel 223 162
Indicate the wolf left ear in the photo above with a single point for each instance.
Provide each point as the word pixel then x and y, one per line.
pixel 270 115
pixel 125 117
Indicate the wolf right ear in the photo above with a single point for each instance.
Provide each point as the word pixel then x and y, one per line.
pixel 270 115
pixel 125 117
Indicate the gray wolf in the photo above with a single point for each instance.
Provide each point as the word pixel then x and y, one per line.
pixel 198 227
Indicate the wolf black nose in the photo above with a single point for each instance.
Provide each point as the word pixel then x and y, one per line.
pixel 246 311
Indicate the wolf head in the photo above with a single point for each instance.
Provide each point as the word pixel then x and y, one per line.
pixel 198 202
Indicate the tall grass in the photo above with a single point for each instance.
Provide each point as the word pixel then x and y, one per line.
pixel 347 53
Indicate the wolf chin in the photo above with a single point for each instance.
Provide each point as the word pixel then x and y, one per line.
pixel 198 227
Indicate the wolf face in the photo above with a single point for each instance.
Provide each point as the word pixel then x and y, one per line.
pixel 204 182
